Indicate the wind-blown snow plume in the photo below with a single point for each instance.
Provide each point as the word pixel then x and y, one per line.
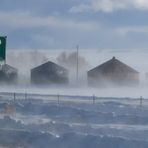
pixel 69 60
pixel 25 61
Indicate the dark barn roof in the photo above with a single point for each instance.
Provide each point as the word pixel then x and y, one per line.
pixel 113 72
pixel 8 74
pixel 113 65
pixel 49 73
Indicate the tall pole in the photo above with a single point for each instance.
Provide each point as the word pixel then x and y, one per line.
pixel 77 56
pixel 5 49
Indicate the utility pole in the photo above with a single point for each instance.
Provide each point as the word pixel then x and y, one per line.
pixel 77 68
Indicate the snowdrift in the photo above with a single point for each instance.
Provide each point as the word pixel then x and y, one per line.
pixel 37 123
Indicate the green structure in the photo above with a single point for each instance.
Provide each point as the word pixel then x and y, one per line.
pixel 8 74
pixel 2 48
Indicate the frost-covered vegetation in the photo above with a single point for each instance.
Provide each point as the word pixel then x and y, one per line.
pixel 106 123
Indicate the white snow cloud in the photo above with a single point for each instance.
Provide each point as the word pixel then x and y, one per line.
pixel 130 29
pixel 110 5
pixel 21 20
pixel 80 8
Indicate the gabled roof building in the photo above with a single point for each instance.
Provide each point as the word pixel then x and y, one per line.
pixel 113 72
pixel 8 74
pixel 49 73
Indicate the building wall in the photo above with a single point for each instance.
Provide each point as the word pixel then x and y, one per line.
pixel 8 78
pixel 106 79
pixel 46 77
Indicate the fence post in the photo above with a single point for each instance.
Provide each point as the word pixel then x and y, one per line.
pixel 141 101
pixel 58 97
pixel 93 99
pixel 25 95
pixel 14 95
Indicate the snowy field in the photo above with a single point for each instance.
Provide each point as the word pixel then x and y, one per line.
pixel 64 121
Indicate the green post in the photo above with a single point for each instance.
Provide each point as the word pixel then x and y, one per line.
pixel 2 49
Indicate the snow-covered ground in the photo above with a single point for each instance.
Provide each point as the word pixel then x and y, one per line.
pixel 34 121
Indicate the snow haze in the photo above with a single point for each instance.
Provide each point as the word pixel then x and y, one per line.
pixel 27 59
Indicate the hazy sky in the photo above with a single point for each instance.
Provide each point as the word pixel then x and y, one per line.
pixel 99 24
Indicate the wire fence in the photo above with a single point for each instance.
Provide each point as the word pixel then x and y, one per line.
pixel 59 99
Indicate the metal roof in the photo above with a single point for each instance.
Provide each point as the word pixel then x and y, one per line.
pixel 49 65
pixel 113 65
pixel 8 69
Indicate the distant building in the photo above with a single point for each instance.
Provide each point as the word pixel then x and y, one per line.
pixel 49 73
pixel 8 74
pixel 113 72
